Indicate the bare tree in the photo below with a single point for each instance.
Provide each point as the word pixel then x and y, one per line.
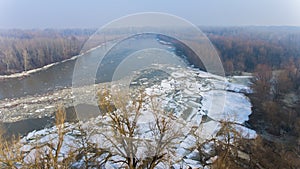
pixel 11 155
pixel 128 145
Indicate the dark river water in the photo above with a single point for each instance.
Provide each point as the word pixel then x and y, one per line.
pixel 25 126
pixel 60 76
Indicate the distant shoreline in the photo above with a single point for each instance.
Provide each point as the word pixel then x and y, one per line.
pixel 29 72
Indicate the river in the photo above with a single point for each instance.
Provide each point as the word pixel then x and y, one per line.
pixel 60 75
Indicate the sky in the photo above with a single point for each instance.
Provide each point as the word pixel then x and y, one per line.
pixel 32 14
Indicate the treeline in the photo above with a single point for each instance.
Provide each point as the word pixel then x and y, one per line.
pixel 275 114
pixel 29 49
pixel 242 48
pixel 272 54
pixel 274 58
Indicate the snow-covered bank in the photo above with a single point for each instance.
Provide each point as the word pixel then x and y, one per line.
pixel 198 101
pixel 29 72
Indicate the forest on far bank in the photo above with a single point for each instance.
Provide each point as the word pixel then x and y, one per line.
pixel 22 50
pixel 241 48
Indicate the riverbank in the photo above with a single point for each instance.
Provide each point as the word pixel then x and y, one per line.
pixel 29 72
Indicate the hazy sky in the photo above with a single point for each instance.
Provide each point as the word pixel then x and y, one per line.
pixel 95 13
